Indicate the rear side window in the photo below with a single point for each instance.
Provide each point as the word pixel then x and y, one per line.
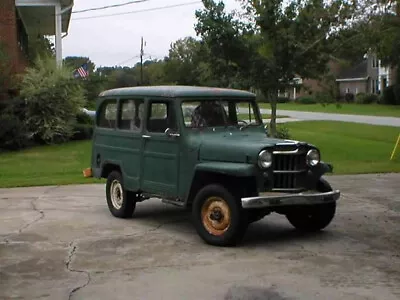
pixel 131 115
pixel 108 114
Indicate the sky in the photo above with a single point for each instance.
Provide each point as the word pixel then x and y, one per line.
pixel 115 40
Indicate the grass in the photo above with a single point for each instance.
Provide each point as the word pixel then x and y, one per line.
pixel 351 148
pixel 46 165
pixel 355 109
pixel 264 116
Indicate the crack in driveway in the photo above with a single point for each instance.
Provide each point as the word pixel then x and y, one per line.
pixel 73 249
pixel 34 208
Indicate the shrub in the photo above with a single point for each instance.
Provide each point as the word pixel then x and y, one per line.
pixel 82 132
pixel 283 100
pixel 282 132
pixel 363 98
pixel 13 134
pixel 324 98
pixel 53 99
pixel 349 97
pixel 306 100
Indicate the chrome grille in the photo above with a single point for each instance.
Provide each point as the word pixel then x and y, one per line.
pixel 289 167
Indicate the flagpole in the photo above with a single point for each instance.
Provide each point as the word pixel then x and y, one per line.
pixel 141 62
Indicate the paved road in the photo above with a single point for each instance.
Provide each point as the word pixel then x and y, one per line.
pixel 61 243
pixel 302 115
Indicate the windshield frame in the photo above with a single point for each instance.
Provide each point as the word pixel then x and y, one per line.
pixel 248 103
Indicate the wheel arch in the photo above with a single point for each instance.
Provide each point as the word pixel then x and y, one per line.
pixel 237 183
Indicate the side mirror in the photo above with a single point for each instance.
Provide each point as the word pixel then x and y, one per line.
pixel 170 133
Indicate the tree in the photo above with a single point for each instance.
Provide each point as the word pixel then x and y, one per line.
pixel 75 62
pixel 53 98
pixel 182 66
pixel 275 42
pixel 40 47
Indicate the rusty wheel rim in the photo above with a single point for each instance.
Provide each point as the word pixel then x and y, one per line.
pixel 216 215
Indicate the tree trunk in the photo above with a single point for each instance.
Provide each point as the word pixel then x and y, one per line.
pixel 272 125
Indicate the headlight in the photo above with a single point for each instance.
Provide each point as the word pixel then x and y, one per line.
pixel 264 159
pixel 313 157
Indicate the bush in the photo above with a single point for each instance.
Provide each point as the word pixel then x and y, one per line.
pixel 363 98
pixel 324 98
pixel 283 100
pixel 53 99
pixel 349 97
pixel 282 132
pixel 13 134
pixel 82 132
pixel 306 100
pixel 391 95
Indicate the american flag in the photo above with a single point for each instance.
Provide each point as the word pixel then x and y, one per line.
pixel 82 71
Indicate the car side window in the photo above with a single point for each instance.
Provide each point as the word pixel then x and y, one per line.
pixel 108 114
pixel 161 117
pixel 131 115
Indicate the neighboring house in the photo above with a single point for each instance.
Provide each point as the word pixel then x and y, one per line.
pixel 22 20
pixel 360 78
pixel 368 76
pixel 307 86
pixel 365 76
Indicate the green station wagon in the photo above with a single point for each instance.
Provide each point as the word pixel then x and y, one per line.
pixel 206 150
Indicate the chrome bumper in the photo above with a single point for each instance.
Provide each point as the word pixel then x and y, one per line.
pixel 272 199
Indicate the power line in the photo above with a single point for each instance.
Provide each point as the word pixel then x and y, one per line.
pixel 139 11
pixel 109 6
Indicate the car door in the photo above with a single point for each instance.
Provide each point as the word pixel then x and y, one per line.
pixel 128 140
pixel 160 161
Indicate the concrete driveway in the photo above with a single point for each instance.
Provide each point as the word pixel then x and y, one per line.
pixel 62 243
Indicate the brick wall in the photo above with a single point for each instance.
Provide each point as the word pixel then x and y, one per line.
pixel 9 40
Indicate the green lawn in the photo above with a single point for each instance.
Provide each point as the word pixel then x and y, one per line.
pixel 46 165
pixel 351 148
pixel 264 116
pixel 355 109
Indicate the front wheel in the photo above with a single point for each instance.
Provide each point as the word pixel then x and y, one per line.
pixel 119 201
pixel 218 216
pixel 314 217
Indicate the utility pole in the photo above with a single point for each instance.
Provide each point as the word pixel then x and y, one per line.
pixel 141 62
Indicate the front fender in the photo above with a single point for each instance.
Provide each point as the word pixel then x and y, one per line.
pixel 227 168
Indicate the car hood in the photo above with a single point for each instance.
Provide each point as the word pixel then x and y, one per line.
pixel 235 146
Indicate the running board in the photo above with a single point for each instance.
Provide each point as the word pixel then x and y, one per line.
pixel 174 202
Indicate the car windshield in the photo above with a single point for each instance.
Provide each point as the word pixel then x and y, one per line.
pixel 220 113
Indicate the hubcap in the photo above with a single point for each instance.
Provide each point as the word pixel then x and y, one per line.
pixel 117 195
pixel 216 215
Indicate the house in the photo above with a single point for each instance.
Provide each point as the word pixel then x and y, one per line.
pixel 367 76
pixel 22 20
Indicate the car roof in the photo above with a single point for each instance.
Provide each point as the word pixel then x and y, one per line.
pixel 172 91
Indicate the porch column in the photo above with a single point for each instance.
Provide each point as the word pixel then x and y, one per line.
pixel 58 45
pixel 294 93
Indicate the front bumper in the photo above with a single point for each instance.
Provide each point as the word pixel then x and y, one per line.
pixel 271 199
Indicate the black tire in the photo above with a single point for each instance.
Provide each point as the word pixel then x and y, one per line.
pixel 127 203
pixel 230 235
pixel 315 217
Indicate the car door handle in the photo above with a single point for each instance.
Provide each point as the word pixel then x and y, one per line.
pixel 145 136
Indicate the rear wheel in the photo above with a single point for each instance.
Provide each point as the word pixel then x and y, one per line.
pixel 120 202
pixel 218 216
pixel 313 217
